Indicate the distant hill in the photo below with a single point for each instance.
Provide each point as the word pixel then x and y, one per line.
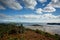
pixel 36 25
pixel 53 23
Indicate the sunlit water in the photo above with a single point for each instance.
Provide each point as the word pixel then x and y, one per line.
pixel 53 29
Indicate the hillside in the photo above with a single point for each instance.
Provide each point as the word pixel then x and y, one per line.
pixel 13 32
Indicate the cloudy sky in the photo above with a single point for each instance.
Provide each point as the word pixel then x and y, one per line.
pixel 30 11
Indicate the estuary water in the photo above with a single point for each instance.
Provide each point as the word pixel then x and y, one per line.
pixel 53 29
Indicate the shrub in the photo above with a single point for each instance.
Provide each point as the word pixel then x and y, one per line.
pixel 21 29
pixel 44 33
pixel 48 35
pixel 37 31
pixel 22 38
pixel 12 32
pixel 12 39
pixel 57 37
pixel 1 35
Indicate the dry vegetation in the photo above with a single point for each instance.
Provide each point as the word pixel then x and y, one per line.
pixel 13 32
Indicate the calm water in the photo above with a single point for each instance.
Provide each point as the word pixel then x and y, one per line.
pixel 53 29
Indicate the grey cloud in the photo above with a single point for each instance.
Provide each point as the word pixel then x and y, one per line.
pixel 30 3
pixel 5 17
pixel 49 9
pixel 42 18
pixel 54 3
pixel 12 4
pixel 2 7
